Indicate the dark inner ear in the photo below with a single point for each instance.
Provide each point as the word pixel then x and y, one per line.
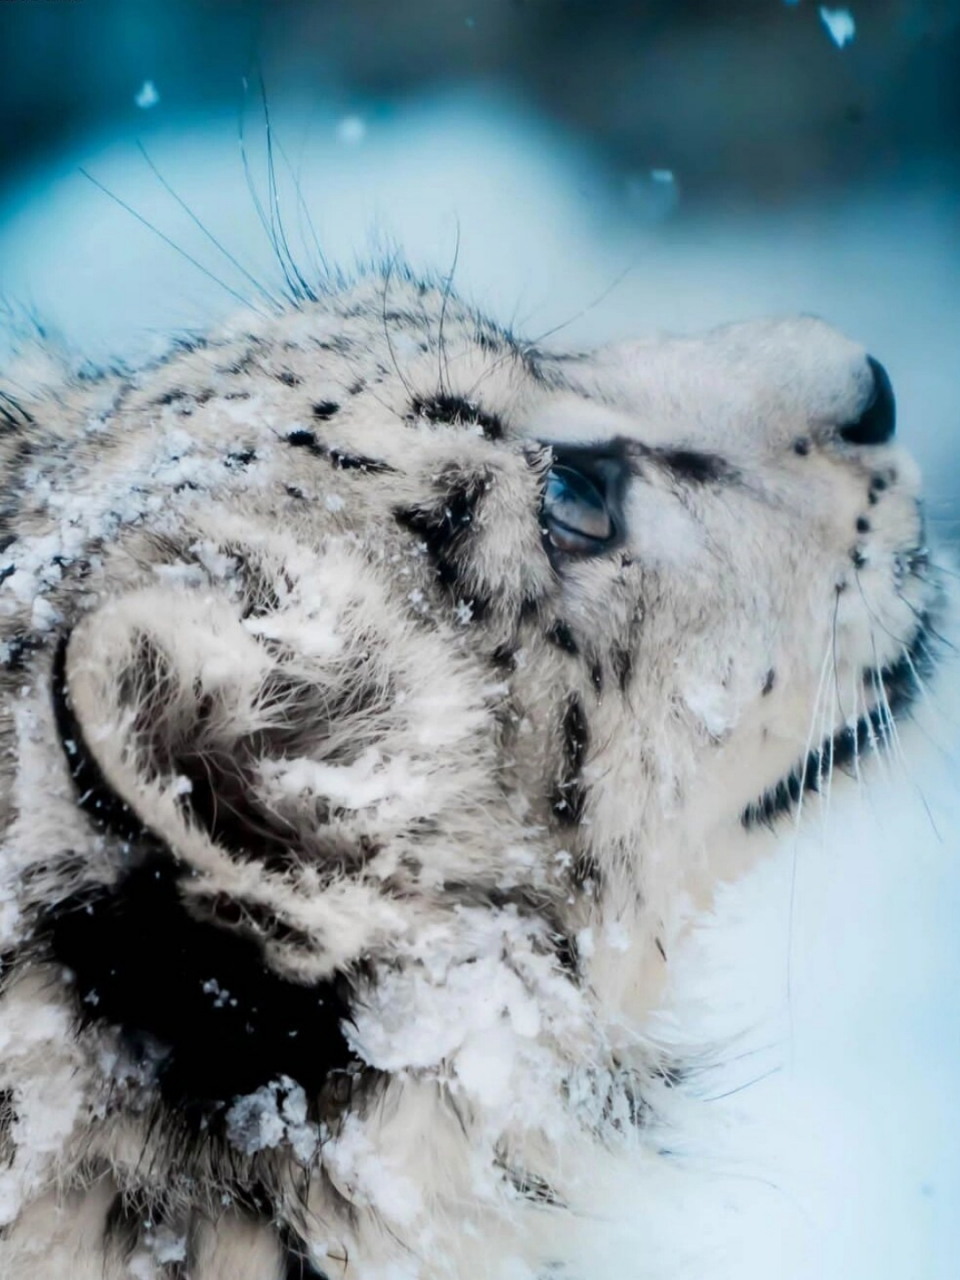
pixel 198 1002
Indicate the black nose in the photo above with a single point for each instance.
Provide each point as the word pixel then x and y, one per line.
pixel 878 421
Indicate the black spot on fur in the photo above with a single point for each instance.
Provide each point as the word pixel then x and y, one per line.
pixel 288 379
pixel 446 528
pixel 302 439
pixel 696 467
pixel 7 541
pixel 569 795
pixel 7 572
pixel 769 681
pixel 340 458
pixel 195 1000
pixel 560 635
pixel 171 397
pixel 801 447
pixel 324 410
pixel 356 387
pixel 19 648
pixel 901 683
pixel 858 559
pixel 863 524
pixel 459 412
pixel 622 662
pixel 504 657
pixel 12 413
pixel 567 952
pixel 241 458
pixel 8 1118
pixel 357 462
pixel 490 342
pixel 532 1187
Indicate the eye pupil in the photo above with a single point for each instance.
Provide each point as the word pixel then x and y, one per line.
pixel 575 511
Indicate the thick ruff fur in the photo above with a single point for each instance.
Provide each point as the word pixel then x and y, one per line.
pixel 350 822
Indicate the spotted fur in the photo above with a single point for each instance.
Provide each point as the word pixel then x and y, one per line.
pixel 347 818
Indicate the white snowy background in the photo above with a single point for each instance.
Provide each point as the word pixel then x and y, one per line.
pixel 833 1140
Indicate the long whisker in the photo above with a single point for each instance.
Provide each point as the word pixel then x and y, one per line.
pixel 302 289
pixel 245 302
pixel 267 296
pixel 443 367
pixel 265 223
pixel 386 324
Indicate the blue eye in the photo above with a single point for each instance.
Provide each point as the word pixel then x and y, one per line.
pixel 575 512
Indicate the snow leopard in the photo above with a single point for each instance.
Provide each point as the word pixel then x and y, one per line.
pixel 382 695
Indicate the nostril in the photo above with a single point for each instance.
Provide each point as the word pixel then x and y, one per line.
pixel 878 421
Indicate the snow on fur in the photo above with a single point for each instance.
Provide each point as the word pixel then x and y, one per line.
pixel 354 823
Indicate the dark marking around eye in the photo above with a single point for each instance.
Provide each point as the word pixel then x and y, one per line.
pixel 459 412
pixel 569 796
pixel 561 636
pixel 698 468
pixel 325 409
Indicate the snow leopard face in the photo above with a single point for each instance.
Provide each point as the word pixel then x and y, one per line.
pixel 365 648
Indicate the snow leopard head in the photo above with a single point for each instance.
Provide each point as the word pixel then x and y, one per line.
pixel 364 643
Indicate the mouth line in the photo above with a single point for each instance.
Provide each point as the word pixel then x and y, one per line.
pixel 901 682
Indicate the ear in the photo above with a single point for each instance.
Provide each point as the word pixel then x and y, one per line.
pixel 310 757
